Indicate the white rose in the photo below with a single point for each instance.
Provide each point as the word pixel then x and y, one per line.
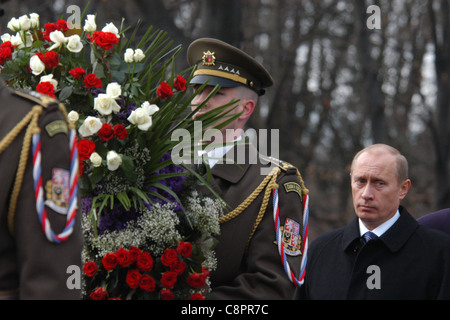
pixel 128 56
pixel 14 25
pixel 74 43
pixel 16 40
pixel 113 160
pixel 28 39
pixel 73 116
pixel 96 160
pixel 113 90
pixel 151 109
pixel 34 20
pixel 141 118
pixel 36 65
pixel 58 38
pixel 89 25
pixel 110 27
pixel 24 22
pixel 49 78
pixel 90 126
pixel 138 55
pixel 5 37
pixel 105 105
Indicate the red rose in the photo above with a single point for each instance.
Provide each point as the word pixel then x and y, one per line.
pixel 134 253
pixel 169 279
pixel 109 261
pixel 197 296
pixel 205 272
pixel 51 59
pixel 196 280
pixel 164 91
pixel 6 50
pixel 123 257
pixel 90 269
pixel 5 54
pixel 61 25
pixel 98 294
pixel 46 88
pixel 147 283
pixel 49 28
pixel 133 278
pixel 178 267
pixel 169 257
pixel 166 294
pixel 91 81
pixel 120 132
pixel 184 249
pixel 104 40
pixel 85 148
pixel 145 261
pixel 106 132
pixel 179 83
pixel 7 44
pixel 77 73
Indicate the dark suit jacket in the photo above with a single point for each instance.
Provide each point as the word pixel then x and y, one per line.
pixel 413 261
pixel 439 220
pixel 249 265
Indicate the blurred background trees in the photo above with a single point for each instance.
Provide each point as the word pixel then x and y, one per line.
pixel 339 85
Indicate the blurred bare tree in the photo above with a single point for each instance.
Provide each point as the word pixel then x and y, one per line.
pixel 339 85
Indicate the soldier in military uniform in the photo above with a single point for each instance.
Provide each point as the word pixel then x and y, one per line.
pixel 34 252
pixel 249 262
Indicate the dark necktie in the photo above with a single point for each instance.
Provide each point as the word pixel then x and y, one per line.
pixel 368 236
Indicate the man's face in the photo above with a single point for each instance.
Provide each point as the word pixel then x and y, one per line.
pixel 222 97
pixel 376 190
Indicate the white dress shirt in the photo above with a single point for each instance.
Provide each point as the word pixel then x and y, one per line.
pixel 382 228
pixel 218 153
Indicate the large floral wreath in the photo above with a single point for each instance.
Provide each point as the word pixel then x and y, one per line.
pixel 148 235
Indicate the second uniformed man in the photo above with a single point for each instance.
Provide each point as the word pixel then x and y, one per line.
pixel 35 254
pixel 249 263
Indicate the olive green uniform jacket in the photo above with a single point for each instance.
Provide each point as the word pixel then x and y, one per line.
pixel 249 265
pixel 31 267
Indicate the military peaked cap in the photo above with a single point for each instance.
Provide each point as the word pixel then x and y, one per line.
pixel 220 63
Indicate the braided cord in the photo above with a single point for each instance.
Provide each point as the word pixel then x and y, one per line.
pixel 31 119
pixel 32 138
pixel 238 210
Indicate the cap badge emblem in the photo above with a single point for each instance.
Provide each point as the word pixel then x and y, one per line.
pixel 208 58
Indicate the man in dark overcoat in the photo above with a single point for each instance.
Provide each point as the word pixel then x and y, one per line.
pixel 37 258
pixel 383 253
pixel 250 265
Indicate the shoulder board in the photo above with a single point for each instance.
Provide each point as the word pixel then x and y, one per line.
pixel 279 163
pixel 36 97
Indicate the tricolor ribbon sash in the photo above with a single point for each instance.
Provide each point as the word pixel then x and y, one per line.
pixel 39 191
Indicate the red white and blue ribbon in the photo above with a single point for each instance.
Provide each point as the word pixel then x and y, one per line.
pixel 39 190
pixel 304 248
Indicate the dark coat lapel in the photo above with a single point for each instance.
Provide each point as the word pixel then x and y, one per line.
pixel 394 238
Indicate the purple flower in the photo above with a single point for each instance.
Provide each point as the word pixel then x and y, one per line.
pixel 125 111
pixel 175 184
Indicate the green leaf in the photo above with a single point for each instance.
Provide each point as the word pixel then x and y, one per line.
pixel 65 93
pixel 124 200
pixel 127 168
pixel 96 176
